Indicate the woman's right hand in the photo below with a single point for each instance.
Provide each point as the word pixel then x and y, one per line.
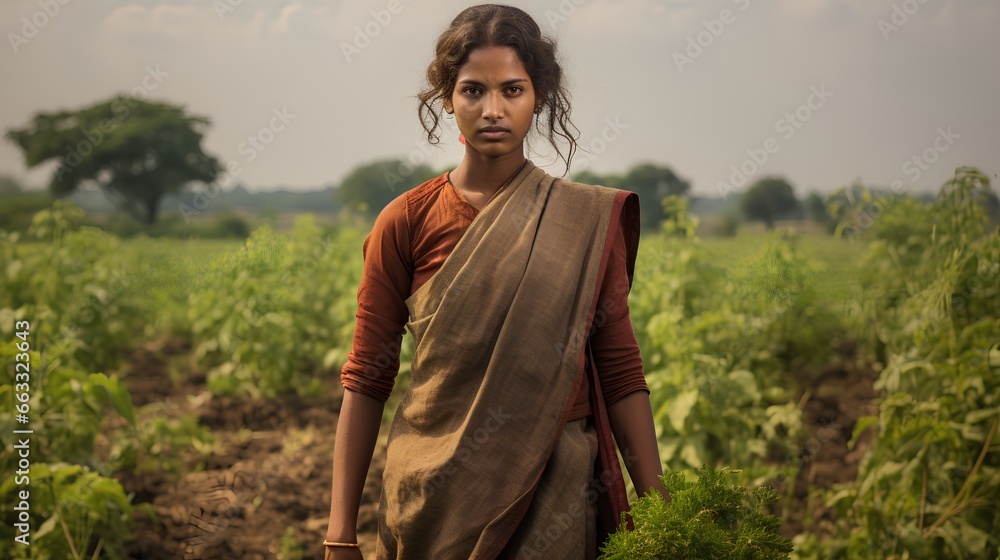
pixel 343 553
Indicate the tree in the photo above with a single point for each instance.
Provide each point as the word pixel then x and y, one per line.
pixel 769 199
pixel 817 211
pixel 369 188
pixel 9 185
pixel 136 151
pixel 590 178
pixel 653 183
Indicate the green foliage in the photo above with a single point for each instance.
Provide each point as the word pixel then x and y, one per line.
pixel 590 178
pixel 768 200
pixel 9 185
pixel 224 225
pixel 79 514
pixel 816 210
pixel 289 548
pixel 162 444
pixel 136 150
pixel 369 188
pixel 929 486
pixel 17 210
pixel 725 340
pixel 709 518
pixel 679 220
pixel 268 318
pixel 728 224
pixel 653 183
pixel 74 286
pixel 75 506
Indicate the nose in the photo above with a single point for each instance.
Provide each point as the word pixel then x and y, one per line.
pixel 493 105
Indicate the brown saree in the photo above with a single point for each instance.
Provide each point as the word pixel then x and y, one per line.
pixel 500 335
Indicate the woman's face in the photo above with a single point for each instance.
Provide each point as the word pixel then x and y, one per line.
pixel 493 91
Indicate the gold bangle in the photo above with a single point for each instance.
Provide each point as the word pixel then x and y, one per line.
pixel 348 544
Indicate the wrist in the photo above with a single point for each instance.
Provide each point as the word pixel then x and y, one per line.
pixel 344 536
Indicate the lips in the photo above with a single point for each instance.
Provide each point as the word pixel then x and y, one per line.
pixel 493 132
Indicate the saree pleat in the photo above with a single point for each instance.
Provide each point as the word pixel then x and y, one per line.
pixel 500 333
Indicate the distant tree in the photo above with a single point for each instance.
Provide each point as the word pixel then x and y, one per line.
pixel 991 205
pixel 136 151
pixel 769 199
pixel 653 183
pixel 817 211
pixel 370 187
pixel 9 185
pixel 590 178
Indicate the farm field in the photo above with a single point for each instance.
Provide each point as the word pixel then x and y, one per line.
pixel 184 395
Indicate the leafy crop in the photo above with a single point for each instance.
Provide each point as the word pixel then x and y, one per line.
pixel 929 486
pixel 706 519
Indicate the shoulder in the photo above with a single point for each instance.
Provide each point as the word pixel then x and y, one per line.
pixel 397 213
pixel 599 193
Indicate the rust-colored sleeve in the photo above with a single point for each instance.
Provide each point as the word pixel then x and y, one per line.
pixel 616 351
pixel 373 362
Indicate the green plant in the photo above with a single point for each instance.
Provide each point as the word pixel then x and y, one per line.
pixel 267 319
pixel 708 518
pixel 929 485
pixel 79 514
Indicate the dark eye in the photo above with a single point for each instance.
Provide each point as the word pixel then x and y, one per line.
pixel 471 90
pixel 515 89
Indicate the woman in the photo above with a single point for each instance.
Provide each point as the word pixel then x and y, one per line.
pixel 514 287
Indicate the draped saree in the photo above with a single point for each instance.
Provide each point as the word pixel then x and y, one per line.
pixel 500 335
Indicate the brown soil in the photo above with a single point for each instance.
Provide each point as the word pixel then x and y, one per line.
pixel 269 469
pixel 835 398
pixel 270 466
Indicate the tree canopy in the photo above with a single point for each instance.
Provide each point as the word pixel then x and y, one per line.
pixel 135 150
pixel 769 199
pixel 653 183
pixel 370 187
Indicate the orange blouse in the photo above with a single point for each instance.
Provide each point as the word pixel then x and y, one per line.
pixel 410 240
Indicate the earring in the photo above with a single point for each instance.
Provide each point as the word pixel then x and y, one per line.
pixel 461 138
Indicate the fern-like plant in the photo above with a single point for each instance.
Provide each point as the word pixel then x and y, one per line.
pixel 705 519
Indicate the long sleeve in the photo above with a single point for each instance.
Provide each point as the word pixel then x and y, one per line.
pixel 373 362
pixel 616 350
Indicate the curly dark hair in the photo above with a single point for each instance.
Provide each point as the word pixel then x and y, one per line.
pixel 488 25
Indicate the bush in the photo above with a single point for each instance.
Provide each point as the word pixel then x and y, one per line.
pixel 708 519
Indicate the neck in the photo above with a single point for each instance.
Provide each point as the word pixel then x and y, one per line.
pixel 486 175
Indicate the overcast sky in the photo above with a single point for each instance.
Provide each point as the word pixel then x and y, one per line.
pixel 819 91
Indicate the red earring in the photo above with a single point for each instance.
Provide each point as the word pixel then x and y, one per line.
pixel 461 138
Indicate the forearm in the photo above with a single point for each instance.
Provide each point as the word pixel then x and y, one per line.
pixel 357 432
pixel 631 420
